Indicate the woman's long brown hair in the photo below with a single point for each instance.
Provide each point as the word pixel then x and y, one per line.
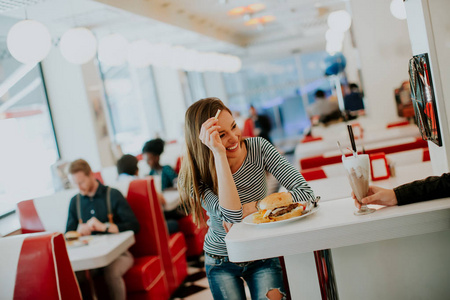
pixel 198 162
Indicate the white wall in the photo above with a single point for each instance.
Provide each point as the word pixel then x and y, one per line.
pixel 429 27
pixel 71 110
pixel 384 49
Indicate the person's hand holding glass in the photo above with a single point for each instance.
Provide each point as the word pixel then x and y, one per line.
pixel 358 172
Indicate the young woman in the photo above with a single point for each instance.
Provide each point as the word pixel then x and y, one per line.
pixel 226 175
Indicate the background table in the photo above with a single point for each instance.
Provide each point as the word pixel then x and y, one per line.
pixel 338 187
pixel 101 250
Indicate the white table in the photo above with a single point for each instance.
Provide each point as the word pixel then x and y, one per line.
pixel 172 199
pixel 101 250
pixel 338 187
pixel 335 226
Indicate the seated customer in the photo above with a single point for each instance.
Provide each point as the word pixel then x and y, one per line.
pixel 90 212
pixel 323 108
pixel 127 168
pixel 152 151
pixel 430 188
pixel 353 101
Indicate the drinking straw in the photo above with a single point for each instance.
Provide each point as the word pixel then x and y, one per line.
pixel 340 148
pixel 217 114
pixel 352 139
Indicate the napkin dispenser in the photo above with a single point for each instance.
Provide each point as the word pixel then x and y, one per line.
pixel 379 168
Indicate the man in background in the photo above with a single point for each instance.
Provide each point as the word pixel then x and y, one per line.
pixel 323 110
pixel 353 101
pixel 93 217
pixel 262 124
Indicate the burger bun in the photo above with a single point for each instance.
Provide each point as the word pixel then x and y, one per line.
pixel 275 200
pixel 72 235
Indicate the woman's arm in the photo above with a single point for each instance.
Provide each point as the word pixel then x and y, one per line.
pixel 228 195
pixel 285 173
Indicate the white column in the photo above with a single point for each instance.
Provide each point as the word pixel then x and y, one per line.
pixel 428 24
pixel 384 49
pixel 171 99
pixel 69 89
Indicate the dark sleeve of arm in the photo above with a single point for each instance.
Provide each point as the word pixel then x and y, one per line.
pixel 433 187
pixel 72 219
pixel 125 216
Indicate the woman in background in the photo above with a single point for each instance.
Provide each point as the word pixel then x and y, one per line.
pixel 153 150
pixel 225 175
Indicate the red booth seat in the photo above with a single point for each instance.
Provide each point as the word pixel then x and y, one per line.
pixel 321 160
pixel 314 174
pixel 48 213
pixel 36 266
pixel 310 138
pixel 153 238
pixel 195 236
pixel 397 124
pixel 146 278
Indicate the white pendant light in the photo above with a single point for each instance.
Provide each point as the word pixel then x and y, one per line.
pixel 78 45
pixel 139 53
pixel 112 50
pixel 339 21
pixel 29 41
pixel 398 9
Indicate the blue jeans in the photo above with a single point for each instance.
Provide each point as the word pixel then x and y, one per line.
pixel 226 279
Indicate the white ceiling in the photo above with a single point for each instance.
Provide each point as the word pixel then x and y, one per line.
pixel 199 24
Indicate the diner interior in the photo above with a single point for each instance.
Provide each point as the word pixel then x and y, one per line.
pixel 97 79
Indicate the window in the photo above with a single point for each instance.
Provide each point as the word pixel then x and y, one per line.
pixel 133 106
pixel 193 86
pixel 280 89
pixel 28 144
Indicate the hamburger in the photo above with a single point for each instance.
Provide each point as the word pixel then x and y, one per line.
pixel 72 235
pixel 277 207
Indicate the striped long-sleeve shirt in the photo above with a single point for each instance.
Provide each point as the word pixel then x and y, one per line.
pixel 251 185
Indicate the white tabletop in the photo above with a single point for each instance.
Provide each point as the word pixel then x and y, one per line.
pixel 172 199
pixel 335 225
pixel 101 250
pixel 338 187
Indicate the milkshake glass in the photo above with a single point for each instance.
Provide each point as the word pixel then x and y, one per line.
pixel 358 172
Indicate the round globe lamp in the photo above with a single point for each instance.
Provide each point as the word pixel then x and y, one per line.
pixel 112 50
pixel 78 45
pixel 339 21
pixel 29 41
pixel 398 10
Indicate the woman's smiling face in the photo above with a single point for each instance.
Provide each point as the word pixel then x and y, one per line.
pixel 230 135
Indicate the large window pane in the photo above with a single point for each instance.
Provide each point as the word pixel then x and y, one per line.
pixel 133 106
pixel 28 146
pixel 281 89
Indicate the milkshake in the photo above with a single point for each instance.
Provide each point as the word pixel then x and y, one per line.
pixel 358 172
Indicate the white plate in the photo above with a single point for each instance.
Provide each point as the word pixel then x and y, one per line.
pixel 249 219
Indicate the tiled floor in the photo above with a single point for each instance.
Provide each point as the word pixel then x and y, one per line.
pixel 196 285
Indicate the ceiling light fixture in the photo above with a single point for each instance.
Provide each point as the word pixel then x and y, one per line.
pixel 29 41
pixel 247 11
pixel 260 21
pixel 78 45
pixel 398 9
pixel 339 21
pixel 112 50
